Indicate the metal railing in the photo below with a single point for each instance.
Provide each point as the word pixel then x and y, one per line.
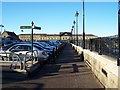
pixel 20 61
pixel 102 45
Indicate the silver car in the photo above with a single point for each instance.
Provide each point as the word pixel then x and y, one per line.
pixel 24 48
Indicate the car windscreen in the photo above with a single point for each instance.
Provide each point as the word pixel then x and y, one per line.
pixel 38 47
pixel 21 48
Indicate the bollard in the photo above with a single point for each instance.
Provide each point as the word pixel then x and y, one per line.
pixel 81 57
pixel 118 62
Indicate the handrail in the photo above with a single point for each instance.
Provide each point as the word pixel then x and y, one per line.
pixel 23 59
pixel 22 62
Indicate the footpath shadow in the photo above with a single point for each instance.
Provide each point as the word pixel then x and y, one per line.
pixel 12 76
pixel 47 70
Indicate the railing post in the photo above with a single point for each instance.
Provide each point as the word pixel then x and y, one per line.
pixel 100 53
pixel 21 59
pixel 90 45
pixel 24 62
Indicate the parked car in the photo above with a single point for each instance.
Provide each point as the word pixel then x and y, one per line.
pixel 24 48
pixel 55 42
pixel 42 44
pixel 47 45
pixel 42 48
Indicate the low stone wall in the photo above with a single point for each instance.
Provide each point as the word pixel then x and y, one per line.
pixel 106 70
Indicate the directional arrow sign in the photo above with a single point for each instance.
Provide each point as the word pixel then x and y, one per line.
pixel 35 27
pixel 25 27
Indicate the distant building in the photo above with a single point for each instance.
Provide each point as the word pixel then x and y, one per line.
pixel 26 37
pixel 11 35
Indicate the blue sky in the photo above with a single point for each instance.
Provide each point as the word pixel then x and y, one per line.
pixel 55 17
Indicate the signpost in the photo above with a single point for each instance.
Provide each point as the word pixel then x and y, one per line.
pixel 35 27
pixel 31 27
pixel 25 27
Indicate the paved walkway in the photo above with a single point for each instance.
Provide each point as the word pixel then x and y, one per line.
pixel 67 72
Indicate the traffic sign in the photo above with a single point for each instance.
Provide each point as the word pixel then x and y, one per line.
pixel 35 27
pixel 25 27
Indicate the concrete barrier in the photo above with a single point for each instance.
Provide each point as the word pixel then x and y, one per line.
pixel 104 68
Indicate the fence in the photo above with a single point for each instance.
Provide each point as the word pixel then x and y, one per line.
pixel 19 61
pixel 105 45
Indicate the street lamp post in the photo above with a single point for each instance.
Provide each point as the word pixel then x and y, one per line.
pixel 118 60
pixel 77 26
pixel 83 27
pixel 74 30
pixel 71 35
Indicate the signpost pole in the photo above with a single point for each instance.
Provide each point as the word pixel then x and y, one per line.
pixel 32 40
pixel 77 26
pixel 31 27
